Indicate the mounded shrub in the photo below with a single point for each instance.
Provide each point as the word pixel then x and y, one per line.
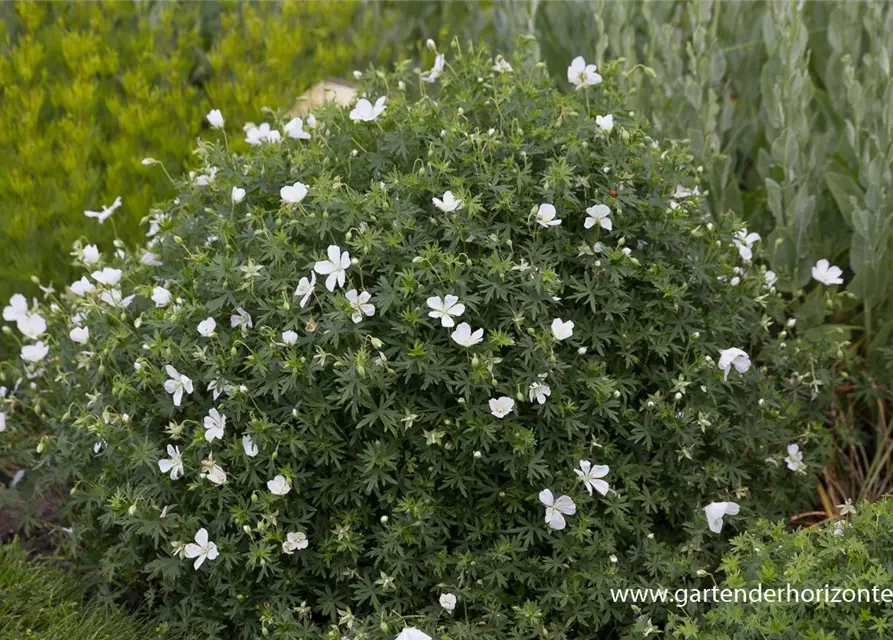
pixel 852 558
pixel 287 373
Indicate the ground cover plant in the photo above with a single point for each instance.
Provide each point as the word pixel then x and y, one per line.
pixel 451 362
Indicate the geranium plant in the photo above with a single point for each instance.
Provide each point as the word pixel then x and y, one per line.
pixel 371 391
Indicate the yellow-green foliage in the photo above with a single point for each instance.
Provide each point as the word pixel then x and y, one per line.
pixel 88 89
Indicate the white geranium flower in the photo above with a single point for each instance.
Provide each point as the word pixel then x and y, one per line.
pixel 241 319
pixel 81 335
pixel 605 123
pixel 598 214
pixel 204 179
pixel 215 118
pixel 449 203
pixel 294 129
pixel 445 308
pixel 448 601
pixel 501 66
pixel 771 278
pixel 538 391
pixel 502 406
pixel 2 421
pixel 34 352
pixel 108 276
pixel 90 254
pixel 150 259
pixel 114 298
pixel 334 268
pixel 215 424
pixel 293 194
pixel 278 486
pixel 295 541
pixel 464 336
pixel 745 241
pixel 556 509
pixel 177 385
pixel 733 357
pixel 289 337
pixel 360 304
pixel 305 288
pixel 364 111
pixel 206 327
pixel 259 135
pixel 17 308
pixel 436 70
pixel 107 211
pixel 794 459
pixel 202 549
pixel 238 194
pixel 581 74
pixel 213 472
pixel 31 325
pixel 545 216
pixel 249 446
pixel 827 274
pixel 715 512
pixel 161 296
pixel 562 330
pixel 173 464
pixel 682 192
pixel 591 477
pixel 411 633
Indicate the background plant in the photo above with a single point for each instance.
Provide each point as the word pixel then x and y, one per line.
pixel 405 482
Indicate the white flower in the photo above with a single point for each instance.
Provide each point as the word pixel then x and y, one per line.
pixel 364 111
pixel 80 335
pixel 360 304
pixel 771 278
pixel 177 384
pixel 581 74
pixel 150 259
pixel 202 549
pixel 278 486
pixel 241 319
pixel 794 459
pixel 295 129
pixel 715 512
pixel 745 241
pixel 449 203
pixel 445 308
pixel 538 391
pixel 605 123
pixel 591 477
pixel 17 308
pixel 827 274
pixel 2 421
pixel 249 446
pixel 293 194
pixel 502 406
pixel 448 601
pixel 562 330
pixel 203 180
pixel 215 118
pixel 34 352
pixel 682 192
pixel 114 298
pixel 733 357
pixel 411 633
pixel 213 472
pixel 161 296
pixel 311 121
pixel 556 509
pixel 334 267
pixel 295 541
pixel 305 288
pixel 31 325
pixel 173 464
pixel 90 254
pixel 289 337
pixel 206 327
pixel 436 70
pixel 501 66
pixel 238 194
pixel 545 216
pixel 215 423
pixel 464 336
pixel 599 214
pixel 107 211
pixel 108 276
pixel 261 134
